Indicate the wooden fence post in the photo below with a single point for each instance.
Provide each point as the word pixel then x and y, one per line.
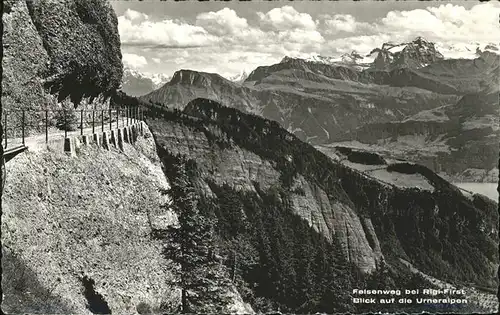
pixel 110 127
pixel 46 126
pixel 81 122
pixel 102 120
pixel 93 121
pixel 22 126
pixel 65 125
pixel 5 123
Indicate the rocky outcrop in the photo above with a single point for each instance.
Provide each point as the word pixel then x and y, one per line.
pixel 443 232
pixel 243 169
pixel 54 52
pixel 350 212
pixel 383 60
pixel 415 54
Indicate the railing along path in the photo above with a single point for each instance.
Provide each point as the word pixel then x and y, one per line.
pixel 23 126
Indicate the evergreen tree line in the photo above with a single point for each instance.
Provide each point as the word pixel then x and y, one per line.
pixel 263 242
pixel 201 276
pixel 459 251
pixel 279 262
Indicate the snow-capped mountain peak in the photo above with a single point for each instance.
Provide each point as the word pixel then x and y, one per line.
pixel 467 50
pixel 136 83
pixel 238 78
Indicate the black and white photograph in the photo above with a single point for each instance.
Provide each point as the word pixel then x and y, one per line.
pixel 250 157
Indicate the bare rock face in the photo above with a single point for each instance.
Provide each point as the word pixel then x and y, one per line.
pixel 242 170
pixel 415 54
pixel 371 219
pixel 56 50
pixel 383 59
pixel 335 219
pixel 418 53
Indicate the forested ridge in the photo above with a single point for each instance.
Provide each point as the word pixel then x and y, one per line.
pixel 259 235
pixel 277 262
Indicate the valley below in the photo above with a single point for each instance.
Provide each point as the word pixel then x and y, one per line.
pixel 443 115
pixel 487 189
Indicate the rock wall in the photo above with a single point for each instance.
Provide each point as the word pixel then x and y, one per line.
pixel 242 169
pixel 440 230
pixel 56 50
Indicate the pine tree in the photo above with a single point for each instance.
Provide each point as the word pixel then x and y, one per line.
pixel 66 118
pixel 202 276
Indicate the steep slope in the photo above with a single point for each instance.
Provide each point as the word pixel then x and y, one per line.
pixel 79 233
pixel 58 55
pixel 65 218
pixel 415 54
pixel 366 217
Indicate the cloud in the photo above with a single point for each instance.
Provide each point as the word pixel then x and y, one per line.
pixel 301 39
pixel 138 29
pixel 362 44
pixel 446 23
pixel 222 22
pixel 224 42
pixel 134 61
pixel 286 18
pixel 180 60
pixel 229 27
pixel 136 16
pixel 339 23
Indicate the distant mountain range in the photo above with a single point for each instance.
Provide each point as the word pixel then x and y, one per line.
pixel 403 99
pixel 136 83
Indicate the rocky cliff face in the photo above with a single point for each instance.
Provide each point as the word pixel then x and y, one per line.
pixel 243 170
pixel 415 54
pixel 55 52
pixel 353 201
pixel 85 242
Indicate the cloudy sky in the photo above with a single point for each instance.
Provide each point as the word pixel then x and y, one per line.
pixel 230 37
